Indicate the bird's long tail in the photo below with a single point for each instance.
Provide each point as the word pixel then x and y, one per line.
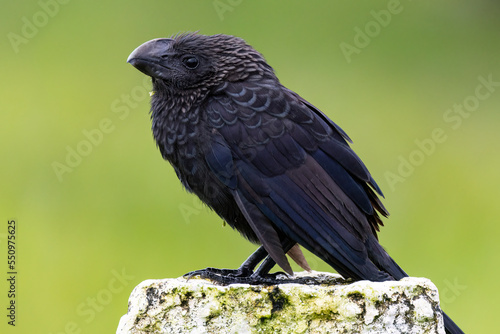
pixel 450 326
pixel 385 262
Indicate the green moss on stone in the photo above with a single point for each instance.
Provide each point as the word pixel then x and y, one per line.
pixel 178 306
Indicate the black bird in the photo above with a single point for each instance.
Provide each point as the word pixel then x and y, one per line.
pixel 268 162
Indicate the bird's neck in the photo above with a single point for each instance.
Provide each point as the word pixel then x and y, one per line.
pixel 174 116
pixel 176 102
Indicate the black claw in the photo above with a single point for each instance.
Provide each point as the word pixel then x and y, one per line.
pixel 246 276
pixel 235 276
pixel 220 275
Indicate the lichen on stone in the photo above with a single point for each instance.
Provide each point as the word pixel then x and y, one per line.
pixel 336 306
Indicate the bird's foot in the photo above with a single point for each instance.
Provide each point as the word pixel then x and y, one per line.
pixel 209 272
pixel 247 276
pixel 240 276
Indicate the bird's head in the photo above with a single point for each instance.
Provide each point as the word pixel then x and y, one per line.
pixel 190 61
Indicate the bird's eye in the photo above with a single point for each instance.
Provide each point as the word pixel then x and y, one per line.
pixel 191 62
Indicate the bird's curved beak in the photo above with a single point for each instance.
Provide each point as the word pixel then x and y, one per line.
pixel 151 58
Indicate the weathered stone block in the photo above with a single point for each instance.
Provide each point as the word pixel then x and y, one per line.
pixel 198 306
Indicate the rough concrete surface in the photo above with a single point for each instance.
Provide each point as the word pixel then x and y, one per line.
pixel 334 306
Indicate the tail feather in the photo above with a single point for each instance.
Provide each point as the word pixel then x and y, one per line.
pixel 380 257
pixel 450 326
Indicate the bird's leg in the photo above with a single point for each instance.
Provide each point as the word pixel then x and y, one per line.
pixel 262 275
pixel 245 274
pixel 225 275
pixel 246 268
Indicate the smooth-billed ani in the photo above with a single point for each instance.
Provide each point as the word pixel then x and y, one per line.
pixel 272 165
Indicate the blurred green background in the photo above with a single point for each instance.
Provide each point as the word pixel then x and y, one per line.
pixel 116 215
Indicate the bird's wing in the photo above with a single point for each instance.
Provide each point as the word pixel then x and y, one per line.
pixel 292 171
